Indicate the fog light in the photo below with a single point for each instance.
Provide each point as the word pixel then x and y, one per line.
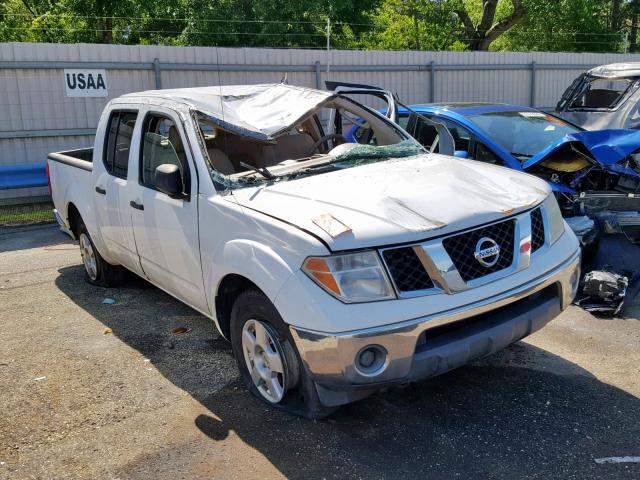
pixel 371 360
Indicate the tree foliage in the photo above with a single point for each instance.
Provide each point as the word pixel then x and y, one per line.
pixel 568 25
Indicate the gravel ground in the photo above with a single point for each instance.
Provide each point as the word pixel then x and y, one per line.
pixel 97 391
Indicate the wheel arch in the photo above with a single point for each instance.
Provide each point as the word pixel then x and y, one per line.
pixel 230 287
pixel 73 217
pixel 240 265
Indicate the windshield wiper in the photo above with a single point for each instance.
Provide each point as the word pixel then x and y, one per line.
pixel 261 170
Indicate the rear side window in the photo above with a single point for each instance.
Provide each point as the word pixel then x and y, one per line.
pixel 118 142
pixel 162 144
pixel 601 93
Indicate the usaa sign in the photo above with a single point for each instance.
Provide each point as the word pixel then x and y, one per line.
pixel 85 83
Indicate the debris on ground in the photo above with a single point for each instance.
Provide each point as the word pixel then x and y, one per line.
pixel 37 379
pixel 603 291
pixel 107 331
pixel 584 228
pixel 108 301
pixel 181 330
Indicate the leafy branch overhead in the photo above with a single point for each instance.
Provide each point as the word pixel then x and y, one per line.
pixel 480 35
pixel 520 25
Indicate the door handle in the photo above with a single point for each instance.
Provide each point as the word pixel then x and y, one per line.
pixel 137 206
pixel 101 191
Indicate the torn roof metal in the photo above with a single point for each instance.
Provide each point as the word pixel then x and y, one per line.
pixel 261 112
pixel 616 70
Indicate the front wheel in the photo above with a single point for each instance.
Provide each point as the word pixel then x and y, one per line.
pixel 266 356
pixel 96 270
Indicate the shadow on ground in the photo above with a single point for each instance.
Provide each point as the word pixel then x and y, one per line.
pixel 521 413
pixel 13 239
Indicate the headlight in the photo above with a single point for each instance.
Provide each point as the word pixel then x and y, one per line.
pixel 354 277
pixel 554 217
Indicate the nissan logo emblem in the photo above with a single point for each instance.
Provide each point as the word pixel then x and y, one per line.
pixel 487 252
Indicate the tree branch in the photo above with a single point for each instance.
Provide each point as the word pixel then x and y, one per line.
pixel 467 23
pixel 506 23
pixel 488 14
pixel 28 7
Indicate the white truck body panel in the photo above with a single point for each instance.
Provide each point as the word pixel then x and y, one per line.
pixel 188 246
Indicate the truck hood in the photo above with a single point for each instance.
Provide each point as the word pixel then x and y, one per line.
pixel 606 147
pixel 396 201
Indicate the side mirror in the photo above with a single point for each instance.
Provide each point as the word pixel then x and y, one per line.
pixel 461 154
pixel 169 179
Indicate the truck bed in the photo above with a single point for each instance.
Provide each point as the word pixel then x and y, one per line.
pixel 80 158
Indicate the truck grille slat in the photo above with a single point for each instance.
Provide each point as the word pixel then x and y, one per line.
pixel 537 230
pixel 406 270
pixel 409 274
pixel 461 249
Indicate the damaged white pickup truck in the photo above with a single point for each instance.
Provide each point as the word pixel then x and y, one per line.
pixel 333 268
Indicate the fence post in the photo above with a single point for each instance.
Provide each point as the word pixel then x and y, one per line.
pixel 318 75
pixel 532 94
pixel 156 69
pixel 432 84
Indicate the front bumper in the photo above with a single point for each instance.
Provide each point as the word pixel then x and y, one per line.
pixel 433 344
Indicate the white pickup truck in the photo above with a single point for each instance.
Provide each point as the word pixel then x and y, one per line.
pixel 333 268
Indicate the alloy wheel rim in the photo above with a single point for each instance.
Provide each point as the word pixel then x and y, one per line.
pixel 88 256
pixel 264 361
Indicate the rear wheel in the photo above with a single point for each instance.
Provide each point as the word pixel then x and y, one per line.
pixel 266 356
pixel 96 270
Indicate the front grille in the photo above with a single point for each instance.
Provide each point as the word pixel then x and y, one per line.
pixel 537 230
pixel 461 249
pixel 406 269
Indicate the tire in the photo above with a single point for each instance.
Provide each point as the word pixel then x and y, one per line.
pixel 96 270
pixel 267 358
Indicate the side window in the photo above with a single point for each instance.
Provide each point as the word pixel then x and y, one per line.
pixel 461 136
pixel 118 142
pixel 162 144
pixel 484 154
pixel 363 134
pixel 425 133
pixel 403 120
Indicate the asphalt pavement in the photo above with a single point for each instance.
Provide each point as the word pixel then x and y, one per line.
pixel 109 391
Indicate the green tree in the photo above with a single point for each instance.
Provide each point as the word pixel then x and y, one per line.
pixel 563 25
pixel 489 24
pixel 414 24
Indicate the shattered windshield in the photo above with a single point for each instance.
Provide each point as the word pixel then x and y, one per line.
pixel 353 156
pixel 321 141
pixel 525 133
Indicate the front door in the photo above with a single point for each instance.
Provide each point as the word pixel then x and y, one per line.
pixel 166 228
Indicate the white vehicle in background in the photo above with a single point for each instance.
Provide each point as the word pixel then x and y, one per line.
pixel 604 97
pixel 333 268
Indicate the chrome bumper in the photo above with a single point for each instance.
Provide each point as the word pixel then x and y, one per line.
pixel 331 358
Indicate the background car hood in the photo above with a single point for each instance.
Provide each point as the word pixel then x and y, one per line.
pixel 396 201
pixel 606 146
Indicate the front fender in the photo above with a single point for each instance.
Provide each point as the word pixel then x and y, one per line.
pixel 257 262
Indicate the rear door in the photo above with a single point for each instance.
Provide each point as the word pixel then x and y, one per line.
pixel 166 228
pixel 113 187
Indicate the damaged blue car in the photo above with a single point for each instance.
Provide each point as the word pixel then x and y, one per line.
pixel 586 169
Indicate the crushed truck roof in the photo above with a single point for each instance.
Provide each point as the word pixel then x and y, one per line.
pixel 261 112
pixel 616 70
